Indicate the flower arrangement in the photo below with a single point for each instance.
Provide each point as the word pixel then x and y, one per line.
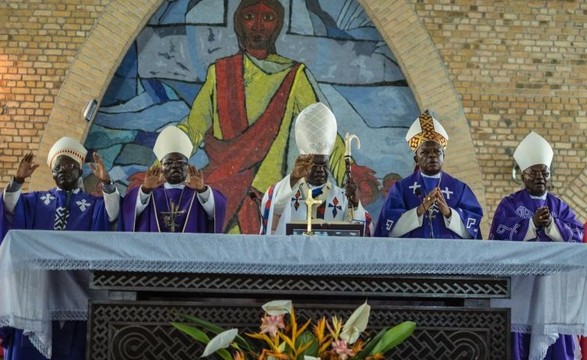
pixel 285 339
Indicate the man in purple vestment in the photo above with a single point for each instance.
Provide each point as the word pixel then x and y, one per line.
pixel 173 197
pixel 65 207
pixel 429 203
pixel 533 214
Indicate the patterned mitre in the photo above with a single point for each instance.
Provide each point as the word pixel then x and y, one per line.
pixel 426 128
pixel 172 140
pixel 69 147
pixel 533 150
pixel 315 130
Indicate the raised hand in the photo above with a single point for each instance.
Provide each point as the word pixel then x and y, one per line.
pixel 301 168
pixel 26 168
pixel 98 169
pixel 350 189
pixel 153 179
pixel 195 179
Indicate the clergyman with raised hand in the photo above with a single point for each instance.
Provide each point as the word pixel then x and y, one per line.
pixel 173 196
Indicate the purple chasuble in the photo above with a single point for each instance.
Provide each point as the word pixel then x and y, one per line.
pixel 36 210
pixel 408 193
pixel 510 222
pixel 173 210
pixel 514 213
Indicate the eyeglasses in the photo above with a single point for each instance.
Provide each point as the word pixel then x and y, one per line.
pixel 65 167
pixel 179 163
pixel 319 167
pixel 533 174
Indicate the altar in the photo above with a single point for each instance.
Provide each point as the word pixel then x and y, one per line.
pixel 464 295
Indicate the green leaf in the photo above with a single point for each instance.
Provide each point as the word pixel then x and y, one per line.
pixel 195 333
pixel 204 324
pixel 308 338
pixel 370 345
pixel 225 354
pixel 215 329
pixel 393 337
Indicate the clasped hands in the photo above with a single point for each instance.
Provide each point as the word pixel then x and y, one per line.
pixel 434 197
pixel 541 217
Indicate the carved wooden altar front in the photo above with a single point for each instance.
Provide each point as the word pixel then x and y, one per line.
pixel 454 320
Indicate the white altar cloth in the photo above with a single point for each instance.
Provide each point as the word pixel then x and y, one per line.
pixel 43 274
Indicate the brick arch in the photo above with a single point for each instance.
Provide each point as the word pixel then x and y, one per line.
pixel 396 20
pixel 90 74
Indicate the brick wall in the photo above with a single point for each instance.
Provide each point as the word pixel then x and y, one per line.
pixel 38 41
pixel 518 66
pixel 492 70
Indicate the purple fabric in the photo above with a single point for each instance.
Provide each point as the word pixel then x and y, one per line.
pixel 514 213
pixel 408 194
pixel 510 222
pixel 36 210
pixel 71 344
pixel 562 349
pixel 193 219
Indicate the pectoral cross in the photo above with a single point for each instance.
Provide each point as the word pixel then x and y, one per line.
pixel 310 201
pixel 170 216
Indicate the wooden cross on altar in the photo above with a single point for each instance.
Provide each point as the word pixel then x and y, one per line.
pixel 170 216
pixel 310 201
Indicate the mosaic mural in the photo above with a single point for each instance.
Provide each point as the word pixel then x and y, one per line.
pixel 187 67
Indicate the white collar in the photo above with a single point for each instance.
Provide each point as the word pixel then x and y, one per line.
pixel 74 191
pixel 541 197
pixel 437 176
pixel 173 186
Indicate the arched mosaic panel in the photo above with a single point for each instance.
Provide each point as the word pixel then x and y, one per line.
pixel 348 66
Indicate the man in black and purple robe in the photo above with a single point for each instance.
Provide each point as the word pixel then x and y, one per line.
pixel 173 196
pixel 429 203
pixel 534 214
pixel 65 207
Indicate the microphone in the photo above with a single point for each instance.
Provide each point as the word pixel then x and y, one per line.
pixel 253 195
pixel 418 193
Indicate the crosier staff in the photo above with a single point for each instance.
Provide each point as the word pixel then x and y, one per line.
pixel 348 140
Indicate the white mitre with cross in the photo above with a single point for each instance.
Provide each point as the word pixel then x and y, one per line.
pixel 533 150
pixel 315 130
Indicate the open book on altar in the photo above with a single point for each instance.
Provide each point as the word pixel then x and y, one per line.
pixel 323 228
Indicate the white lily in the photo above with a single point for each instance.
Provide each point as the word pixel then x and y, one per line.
pixel 277 307
pixel 220 341
pixel 356 324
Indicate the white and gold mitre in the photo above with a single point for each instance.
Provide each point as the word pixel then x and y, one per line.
pixel 69 147
pixel 533 150
pixel 172 140
pixel 426 128
pixel 315 130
